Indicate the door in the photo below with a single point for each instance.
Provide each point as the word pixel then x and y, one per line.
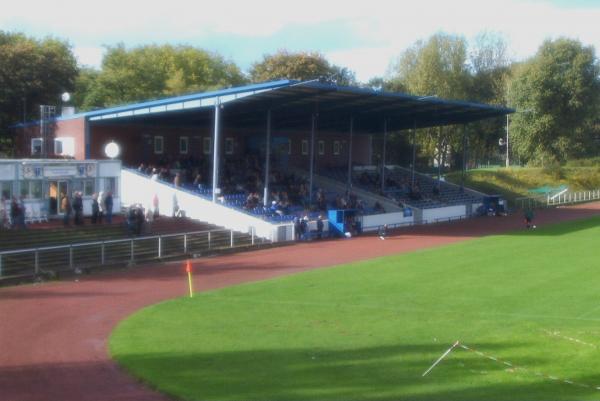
pixel 57 190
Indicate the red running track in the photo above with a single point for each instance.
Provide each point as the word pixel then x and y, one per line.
pixel 53 337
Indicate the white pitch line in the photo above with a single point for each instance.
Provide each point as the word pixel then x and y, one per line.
pixel 572 339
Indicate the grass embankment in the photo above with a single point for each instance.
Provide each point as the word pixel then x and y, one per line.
pixel 367 331
pixel 515 182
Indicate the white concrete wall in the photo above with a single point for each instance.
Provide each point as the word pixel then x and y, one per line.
pixel 373 222
pixel 441 213
pixel 140 189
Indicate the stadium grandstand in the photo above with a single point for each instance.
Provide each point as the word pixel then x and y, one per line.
pixel 274 151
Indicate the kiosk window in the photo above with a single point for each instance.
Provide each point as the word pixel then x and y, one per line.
pixel 6 189
pixel 31 189
pixel 183 144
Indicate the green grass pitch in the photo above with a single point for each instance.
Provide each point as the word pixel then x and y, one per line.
pixel 368 330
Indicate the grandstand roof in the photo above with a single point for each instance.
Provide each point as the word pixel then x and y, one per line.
pixel 293 102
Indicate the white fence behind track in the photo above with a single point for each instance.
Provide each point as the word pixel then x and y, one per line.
pixel 34 262
pixel 574 197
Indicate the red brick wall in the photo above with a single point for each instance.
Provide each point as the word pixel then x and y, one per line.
pixel 73 128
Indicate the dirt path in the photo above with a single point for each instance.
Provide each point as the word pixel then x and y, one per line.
pixel 53 337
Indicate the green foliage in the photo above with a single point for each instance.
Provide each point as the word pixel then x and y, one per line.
pixel 32 72
pixel 368 330
pixel 145 72
pixel 444 66
pixel 557 95
pixel 514 183
pixel 300 66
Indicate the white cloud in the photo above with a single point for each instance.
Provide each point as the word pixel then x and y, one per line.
pixel 384 28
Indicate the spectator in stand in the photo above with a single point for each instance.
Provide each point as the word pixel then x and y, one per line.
pixel 108 203
pixel 177 180
pixel 154 176
pixel 198 181
pixel 95 208
pixel 378 207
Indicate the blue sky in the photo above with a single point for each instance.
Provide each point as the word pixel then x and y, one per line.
pixel 363 36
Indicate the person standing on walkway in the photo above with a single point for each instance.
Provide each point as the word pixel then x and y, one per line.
pixel 65 205
pixel 108 203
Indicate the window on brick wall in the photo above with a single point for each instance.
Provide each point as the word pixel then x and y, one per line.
pixel 207 145
pixel 304 147
pixel 184 143
pixel 228 146
pixel 336 147
pixel 36 146
pixel 159 145
pixel 321 148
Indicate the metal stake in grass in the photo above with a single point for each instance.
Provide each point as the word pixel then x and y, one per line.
pixel 440 358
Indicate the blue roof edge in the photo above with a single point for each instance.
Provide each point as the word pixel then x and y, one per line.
pixel 268 85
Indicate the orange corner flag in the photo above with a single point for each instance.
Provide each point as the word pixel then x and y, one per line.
pixel 188 270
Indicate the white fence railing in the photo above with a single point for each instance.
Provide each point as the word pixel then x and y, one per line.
pixel 573 197
pixel 562 198
pixel 51 260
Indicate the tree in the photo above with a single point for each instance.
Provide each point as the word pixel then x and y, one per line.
pixel 437 67
pixel 490 70
pixel 32 72
pixel 300 66
pixel 145 72
pixel 557 95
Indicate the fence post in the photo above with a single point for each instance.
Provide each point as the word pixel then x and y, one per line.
pixel 70 256
pixel 231 243
pixel 37 262
pixel 159 246
pixel 102 253
pixel 209 240
pixel 0 265
pixel 251 231
pixel 185 243
pixel 131 256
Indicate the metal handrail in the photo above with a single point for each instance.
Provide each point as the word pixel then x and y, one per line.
pixel 111 241
pixel 32 268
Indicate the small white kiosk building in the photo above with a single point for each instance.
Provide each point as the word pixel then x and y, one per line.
pixel 42 182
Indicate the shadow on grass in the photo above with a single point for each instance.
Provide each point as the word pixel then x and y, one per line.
pixel 375 373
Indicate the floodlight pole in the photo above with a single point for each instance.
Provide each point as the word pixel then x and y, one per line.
pixel 414 153
pixel 312 157
pixel 383 156
pixel 267 160
pixel 507 159
pixel 216 160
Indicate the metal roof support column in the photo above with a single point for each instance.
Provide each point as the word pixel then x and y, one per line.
pixel 350 153
pixel 312 157
pixel 216 158
pixel 267 159
pixel 464 158
pixel 414 153
pixel 87 138
pixel 383 156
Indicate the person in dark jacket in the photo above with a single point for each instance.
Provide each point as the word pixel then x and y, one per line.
pixel 320 227
pixel 95 208
pixel 108 203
